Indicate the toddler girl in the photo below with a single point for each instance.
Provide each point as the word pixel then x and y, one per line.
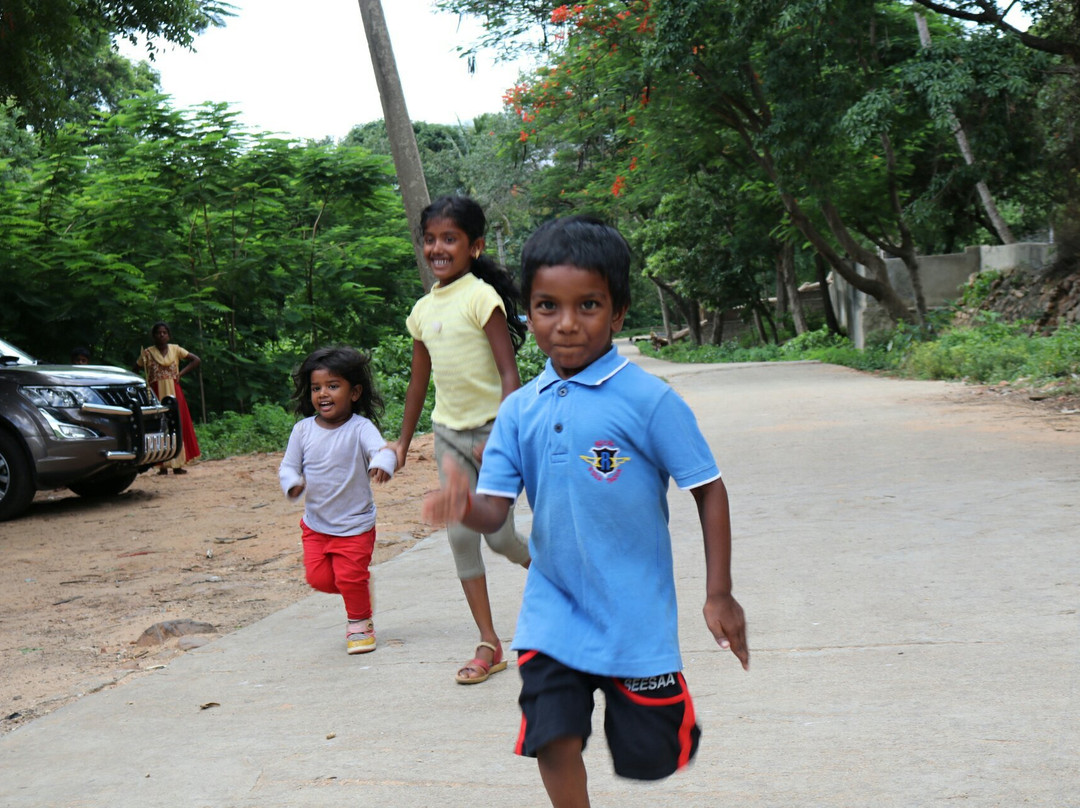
pixel 331 454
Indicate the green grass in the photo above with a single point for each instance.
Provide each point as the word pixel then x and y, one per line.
pixel 987 351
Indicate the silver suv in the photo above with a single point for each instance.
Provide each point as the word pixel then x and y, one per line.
pixel 89 428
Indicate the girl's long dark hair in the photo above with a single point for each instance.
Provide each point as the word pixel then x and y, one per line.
pixel 349 364
pixel 469 216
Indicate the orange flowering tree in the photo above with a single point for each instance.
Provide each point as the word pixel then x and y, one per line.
pixel 580 112
pixel 829 108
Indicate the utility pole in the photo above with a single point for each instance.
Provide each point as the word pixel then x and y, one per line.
pixel 399 129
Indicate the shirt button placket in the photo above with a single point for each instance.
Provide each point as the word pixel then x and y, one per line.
pixel 559 417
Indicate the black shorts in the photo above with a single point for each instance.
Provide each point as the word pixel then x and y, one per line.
pixel 649 723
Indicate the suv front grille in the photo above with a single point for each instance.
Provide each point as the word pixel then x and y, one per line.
pixel 125 395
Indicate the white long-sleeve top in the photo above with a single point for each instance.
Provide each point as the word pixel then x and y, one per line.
pixel 333 466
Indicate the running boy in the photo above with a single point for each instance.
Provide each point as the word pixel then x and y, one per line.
pixel 593 441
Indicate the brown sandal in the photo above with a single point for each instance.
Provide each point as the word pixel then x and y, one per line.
pixel 486 668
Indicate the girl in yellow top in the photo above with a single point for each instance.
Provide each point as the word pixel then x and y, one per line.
pixel 465 331
pixel 161 362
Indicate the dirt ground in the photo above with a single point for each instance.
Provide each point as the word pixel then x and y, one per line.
pixel 82 580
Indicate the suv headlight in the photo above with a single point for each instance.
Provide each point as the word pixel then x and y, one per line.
pixel 57 397
pixel 66 431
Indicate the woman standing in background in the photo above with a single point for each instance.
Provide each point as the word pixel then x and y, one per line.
pixel 161 363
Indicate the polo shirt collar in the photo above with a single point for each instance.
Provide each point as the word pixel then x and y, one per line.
pixel 594 375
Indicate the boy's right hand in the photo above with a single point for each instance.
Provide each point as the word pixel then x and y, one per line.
pixel 725 619
pixel 451 502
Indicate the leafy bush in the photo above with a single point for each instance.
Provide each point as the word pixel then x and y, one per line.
pixel 990 350
pixel 265 429
pixel 978 289
pixel 821 339
pixel 1057 356
pixel 530 360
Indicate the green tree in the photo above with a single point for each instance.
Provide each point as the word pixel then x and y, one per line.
pixel 255 249
pixel 814 99
pixel 1055 24
pixel 442 152
pixel 1053 28
pixel 56 57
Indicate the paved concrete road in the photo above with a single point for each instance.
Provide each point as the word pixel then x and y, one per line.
pixel 908 562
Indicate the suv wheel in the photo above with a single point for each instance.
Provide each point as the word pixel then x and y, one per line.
pixel 109 487
pixel 16 482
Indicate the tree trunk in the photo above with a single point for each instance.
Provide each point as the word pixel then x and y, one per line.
pixel 500 243
pixel 717 327
pixel 1003 231
pixel 780 283
pixel 882 289
pixel 785 268
pixel 906 250
pixel 694 321
pixel 399 128
pixel 688 309
pixel 826 299
pixel 759 326
pixel 665 312
pixel 911 261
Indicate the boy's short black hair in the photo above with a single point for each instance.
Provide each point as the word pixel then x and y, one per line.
pixel 581 241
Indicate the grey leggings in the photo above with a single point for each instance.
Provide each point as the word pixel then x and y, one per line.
pixel 465 543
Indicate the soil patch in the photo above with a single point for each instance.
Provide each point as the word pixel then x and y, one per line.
pixel 85 582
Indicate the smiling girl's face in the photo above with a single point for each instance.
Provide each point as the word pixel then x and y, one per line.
pixel 448 251
pixel 332 397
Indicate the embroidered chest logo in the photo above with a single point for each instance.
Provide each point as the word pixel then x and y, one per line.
pixel 605 460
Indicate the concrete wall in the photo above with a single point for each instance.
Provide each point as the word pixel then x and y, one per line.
pixel 943 276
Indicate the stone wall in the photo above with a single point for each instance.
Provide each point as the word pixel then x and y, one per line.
pixel 943 278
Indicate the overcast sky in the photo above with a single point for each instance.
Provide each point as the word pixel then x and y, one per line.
pixel 302 69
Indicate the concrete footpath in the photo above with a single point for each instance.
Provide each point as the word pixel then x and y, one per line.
pixel 909 565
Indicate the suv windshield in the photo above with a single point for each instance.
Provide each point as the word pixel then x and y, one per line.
pixel 10 355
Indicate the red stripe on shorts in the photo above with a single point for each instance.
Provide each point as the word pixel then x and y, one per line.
pixel 688 721
pixel 519 746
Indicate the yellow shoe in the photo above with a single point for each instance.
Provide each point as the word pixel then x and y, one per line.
pixel 361 642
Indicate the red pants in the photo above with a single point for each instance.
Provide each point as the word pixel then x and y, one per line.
pixel 339 565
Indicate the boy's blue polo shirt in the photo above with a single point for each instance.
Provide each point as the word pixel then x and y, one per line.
pixel 594 454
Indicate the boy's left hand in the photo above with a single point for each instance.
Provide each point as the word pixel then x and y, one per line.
pixel 725 619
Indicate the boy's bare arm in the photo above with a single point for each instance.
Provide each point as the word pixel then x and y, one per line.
pixel 455 503
pixel 723 614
